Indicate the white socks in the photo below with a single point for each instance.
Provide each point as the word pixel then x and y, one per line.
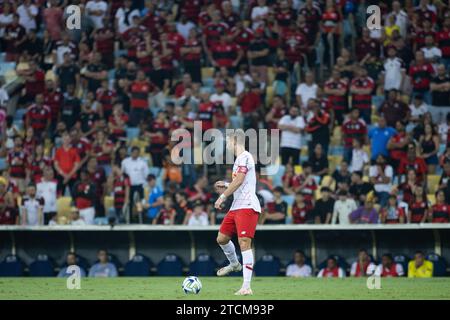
pixel 230 252
pixel 247 260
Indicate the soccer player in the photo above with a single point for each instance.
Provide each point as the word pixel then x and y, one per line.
pixel 244 212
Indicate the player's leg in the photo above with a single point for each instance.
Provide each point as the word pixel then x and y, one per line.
pixel 247 261
pixel 227 229
pixel 246 222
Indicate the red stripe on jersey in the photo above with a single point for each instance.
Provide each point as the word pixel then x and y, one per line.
pixel 242 169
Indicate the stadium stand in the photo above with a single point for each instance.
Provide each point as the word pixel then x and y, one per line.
pixel 11 266
pixel 267 266
pixel 138 266
pixel 371 125
pixel 170 265
pixel 203 265
pixel 43 266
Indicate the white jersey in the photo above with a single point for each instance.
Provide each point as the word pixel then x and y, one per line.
pixel 245 196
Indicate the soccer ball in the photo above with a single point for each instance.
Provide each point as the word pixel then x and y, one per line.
pixel 191 285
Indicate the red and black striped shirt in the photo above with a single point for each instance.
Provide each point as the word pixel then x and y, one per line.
pixel 362 101
pixel 38 116
pixel 17 160
pixel 337 102
pixel 440 213
pixel 120 185
pixel 421 76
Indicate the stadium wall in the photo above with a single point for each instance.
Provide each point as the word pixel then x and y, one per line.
pixel 281 241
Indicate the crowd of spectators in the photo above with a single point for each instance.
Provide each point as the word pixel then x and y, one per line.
pixel 364 115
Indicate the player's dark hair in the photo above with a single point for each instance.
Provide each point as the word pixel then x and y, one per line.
pixel 300 252
pixel 388 255
pixel 306 164
pixel 278 189
pixel 358 173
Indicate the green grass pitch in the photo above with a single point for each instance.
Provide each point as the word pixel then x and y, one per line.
pixel 155 288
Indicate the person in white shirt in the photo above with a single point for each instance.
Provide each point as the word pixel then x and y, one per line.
pixel 75 219
pixel 47 189
pixel 443 130
pixel 401 17
pixel 243 216
pixel 363 266
pixel 137 170
pixel 259 14
pixel 359 157
pixel 32 207
pixel 96 10
pixel 4 96
pixel 198 217
pixel 221 97
pixel 432 54
pixel 381 175
pixel 124 16
pixel 6 17
pixel 184 26
pixel 299 268
pixel 27 15
pixel 388 268
pixel 306 90
pixel 331 270
pixel 418 108
pixel 291 127
pixel 394 70
pixel 342 208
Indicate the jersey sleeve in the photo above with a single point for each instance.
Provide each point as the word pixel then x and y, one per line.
pixel 399 269
pixel 243 164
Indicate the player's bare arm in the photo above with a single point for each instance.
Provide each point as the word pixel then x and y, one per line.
pixel 232 187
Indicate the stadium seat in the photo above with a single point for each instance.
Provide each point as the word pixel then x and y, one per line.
pixel 3 164
pixel 43 266
pixel 203 265
pixel 270 75
pixel 11 266
pixel 439 265
pixel 108 203
pixel 276 173
pixel 269 95
pixel 138 266
pixel 298 169
pixel 268 266
pixel 132 133
pixel 431 198
pixel 207 73
pixel 403 260
pixel 19 114
pixel 288 198
pixel 7 66
pixel 328 181
pixel 334 162
pixel 432 183
pixel 63 206
pixel 170 265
